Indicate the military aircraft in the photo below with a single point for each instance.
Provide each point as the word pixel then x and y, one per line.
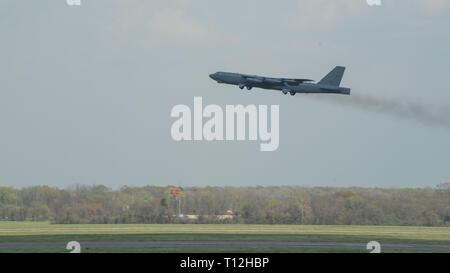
pixel 329 84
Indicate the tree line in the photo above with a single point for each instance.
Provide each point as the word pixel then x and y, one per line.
pixel 81 204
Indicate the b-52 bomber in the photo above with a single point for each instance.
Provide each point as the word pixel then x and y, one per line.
pixel 328 85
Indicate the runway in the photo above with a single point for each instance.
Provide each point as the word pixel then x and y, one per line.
pixel 224 245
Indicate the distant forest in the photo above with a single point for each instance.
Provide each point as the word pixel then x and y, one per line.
pixel 242 205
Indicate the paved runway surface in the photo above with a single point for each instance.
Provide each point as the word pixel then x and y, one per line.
pixel 404 247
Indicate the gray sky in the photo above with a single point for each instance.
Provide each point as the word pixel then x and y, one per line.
pixel 86 92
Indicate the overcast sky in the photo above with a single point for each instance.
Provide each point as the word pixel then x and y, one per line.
pixel 86 92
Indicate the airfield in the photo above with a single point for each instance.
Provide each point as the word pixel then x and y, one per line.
pixel 24 237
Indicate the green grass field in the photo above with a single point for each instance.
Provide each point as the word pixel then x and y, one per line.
pixel 43 232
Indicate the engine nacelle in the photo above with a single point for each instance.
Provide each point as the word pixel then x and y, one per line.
pixel 285 91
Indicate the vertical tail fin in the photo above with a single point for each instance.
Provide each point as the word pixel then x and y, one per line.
pixel 334 77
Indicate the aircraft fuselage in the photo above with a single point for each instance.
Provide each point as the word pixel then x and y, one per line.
pixel 291 86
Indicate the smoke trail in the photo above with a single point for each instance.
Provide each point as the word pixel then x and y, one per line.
pixel 420 112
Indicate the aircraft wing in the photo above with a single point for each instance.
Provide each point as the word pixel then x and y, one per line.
pixel 253 79
pixel 296 80
pixel 259 79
